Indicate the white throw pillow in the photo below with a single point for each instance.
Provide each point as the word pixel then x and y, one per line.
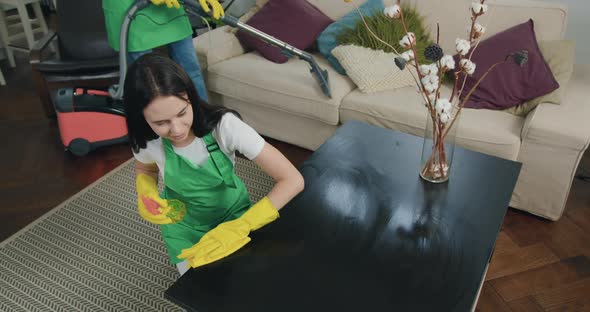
pixel 372 70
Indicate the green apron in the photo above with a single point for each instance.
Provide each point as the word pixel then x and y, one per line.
pixel 212 193
pixel 168 25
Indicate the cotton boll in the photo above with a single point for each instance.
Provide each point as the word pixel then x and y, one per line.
pixel 408 40
pixel 445 117
pixel 425 69
pixel 477 8
pixel 468 66
pixel 393 11
pixel 443 105
pixel 430 83
pixel 430 88
pixel 432 78
pixel 447 62
pixel 408 55
pixel 478 30
pixel 433 69
pixel 462 46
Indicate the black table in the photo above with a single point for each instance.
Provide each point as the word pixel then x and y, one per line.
pixel 367 234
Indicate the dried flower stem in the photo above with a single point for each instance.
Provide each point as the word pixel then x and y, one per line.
pixel 436 133
pixel 436 129
pixel 416 64
pixel 473 89
pixel 455 85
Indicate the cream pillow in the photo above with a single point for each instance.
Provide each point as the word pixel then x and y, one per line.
pixel 372 70
pixel 559 55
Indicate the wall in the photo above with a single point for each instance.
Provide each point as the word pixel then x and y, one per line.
pixel 578 28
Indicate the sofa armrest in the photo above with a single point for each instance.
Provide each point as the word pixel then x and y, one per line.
pixel 217 45
pixel 567 124
pixel 554 139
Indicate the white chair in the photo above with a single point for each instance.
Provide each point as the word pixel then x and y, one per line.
pixel 2 80
pixel 15 27
pixel 3 46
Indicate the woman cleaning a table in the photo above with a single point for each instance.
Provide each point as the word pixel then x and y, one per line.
pixel 191 145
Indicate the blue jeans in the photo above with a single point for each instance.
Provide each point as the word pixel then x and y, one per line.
pixel 183 53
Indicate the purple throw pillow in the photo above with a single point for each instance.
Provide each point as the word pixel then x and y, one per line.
pixel 296 22
pixel 508 84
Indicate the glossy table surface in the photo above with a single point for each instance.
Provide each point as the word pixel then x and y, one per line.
pixel 367 234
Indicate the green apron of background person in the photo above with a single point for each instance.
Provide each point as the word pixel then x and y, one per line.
pixel 212 193
pixel 152 27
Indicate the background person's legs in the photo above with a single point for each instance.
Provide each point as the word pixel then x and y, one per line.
pixel 183 53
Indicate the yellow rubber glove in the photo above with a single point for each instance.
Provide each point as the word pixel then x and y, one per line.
pixel 151 206
pixel 228 237
pixel 217 8
pixel 169 3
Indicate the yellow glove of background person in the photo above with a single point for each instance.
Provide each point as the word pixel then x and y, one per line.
pixel 217 8
pixel 228 237
pixel 169 3
pixel 151 206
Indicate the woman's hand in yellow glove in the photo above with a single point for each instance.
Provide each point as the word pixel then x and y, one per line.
pixel 151 206
pixel 169 3
pixel 154 210
pixel 217 8
pixel 218 243
pixel 229 237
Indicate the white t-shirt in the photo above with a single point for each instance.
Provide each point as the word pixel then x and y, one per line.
pixel 231 134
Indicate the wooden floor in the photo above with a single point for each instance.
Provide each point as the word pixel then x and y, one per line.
pixel 538 265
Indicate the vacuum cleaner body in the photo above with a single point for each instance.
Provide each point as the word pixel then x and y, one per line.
pixel 88 119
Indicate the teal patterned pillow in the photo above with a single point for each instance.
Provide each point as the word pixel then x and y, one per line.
pixel 327 40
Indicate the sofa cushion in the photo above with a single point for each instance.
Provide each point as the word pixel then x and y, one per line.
pixel 288 87
pixel 491 132
pixel 453 18
pixel 327 40
pixel 216 45
pixel 508 84
pixel 333 9
pixel 296 22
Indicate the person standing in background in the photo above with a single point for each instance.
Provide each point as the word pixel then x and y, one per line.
pixel 157 26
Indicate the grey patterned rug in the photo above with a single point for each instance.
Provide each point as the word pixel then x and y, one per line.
pixel 94 252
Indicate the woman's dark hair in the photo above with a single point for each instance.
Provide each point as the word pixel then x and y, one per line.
pixel 153 75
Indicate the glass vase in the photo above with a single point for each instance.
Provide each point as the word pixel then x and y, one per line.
pixel 438 148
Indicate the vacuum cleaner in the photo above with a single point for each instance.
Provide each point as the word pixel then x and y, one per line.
pixel 90 118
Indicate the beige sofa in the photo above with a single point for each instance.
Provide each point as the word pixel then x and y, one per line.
pixel 282 101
